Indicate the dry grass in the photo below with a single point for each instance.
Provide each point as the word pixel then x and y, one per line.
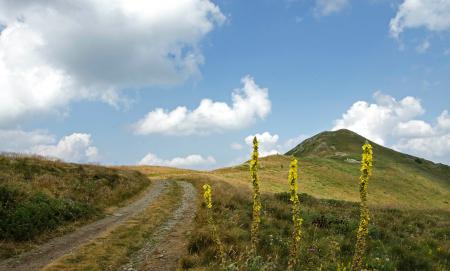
pixel 392 186
pixel 36 186
pixel 114 248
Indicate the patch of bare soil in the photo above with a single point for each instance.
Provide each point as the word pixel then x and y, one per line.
pixel 168 243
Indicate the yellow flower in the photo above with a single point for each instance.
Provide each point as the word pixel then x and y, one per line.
pixel 256 196
pixel 363 229
pixel 296 215
pixel 207 195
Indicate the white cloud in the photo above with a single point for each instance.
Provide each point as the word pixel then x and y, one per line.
pixel 376 121
pixel 435 147
pixel 413 128
pixel 20 141
pixel 434 15
pixel 423 47
pixel 76 147
pixel 269 145
pixel 193 161
pixel 327 7
pixel 54 52
pixel 249 103
pixel 393 123
pixel 236 146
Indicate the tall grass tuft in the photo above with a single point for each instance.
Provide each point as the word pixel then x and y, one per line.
pixel 366 172
pixel 256 218
pixel 296 216
pixel 207 196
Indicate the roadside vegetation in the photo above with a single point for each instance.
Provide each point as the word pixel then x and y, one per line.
pixel 397 240
pixel 408 202
pixel 42 198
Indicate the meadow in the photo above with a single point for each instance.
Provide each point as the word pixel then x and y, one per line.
pixel 407 199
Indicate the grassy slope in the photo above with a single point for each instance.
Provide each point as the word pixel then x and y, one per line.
pixel 399 239
pixel 399 180
pixel 40 199
pixel 403 235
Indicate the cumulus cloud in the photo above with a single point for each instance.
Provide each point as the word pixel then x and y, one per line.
pixel 193 161
pixel 77 147
pixel 250 103
pixel 327 7
pixel 269 144
pixel 376 121
pixel 18 140
pixel 54 52
pixel 393 123
pixel 433 15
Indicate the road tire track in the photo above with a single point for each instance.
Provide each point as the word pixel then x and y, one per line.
pixel 163 250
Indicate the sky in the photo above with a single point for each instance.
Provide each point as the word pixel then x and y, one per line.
pixel 189 83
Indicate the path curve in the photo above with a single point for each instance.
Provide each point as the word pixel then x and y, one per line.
pixel 163 250
pixel 55 248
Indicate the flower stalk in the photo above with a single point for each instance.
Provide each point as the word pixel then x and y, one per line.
pixel 296 216
pixel 207 196
pixel 256 218
pixel 361 237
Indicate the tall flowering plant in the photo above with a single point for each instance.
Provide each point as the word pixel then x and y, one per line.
pixel 366 172
pixel 256 218
pixel 207 197
pixel 296 216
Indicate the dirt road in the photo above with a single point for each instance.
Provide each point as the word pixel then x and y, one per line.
pixel 38 258
pixel 163 250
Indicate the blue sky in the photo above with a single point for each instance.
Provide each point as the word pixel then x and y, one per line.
pixel 81 82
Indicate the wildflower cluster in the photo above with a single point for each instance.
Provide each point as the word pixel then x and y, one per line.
pixel 256 196
pixel 366 172
pixel 207 196
pixel 296 217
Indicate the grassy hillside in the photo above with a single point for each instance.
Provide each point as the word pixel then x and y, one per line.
pixel 40 198
pixel 408 198
pixel 399 238
pixel 329 168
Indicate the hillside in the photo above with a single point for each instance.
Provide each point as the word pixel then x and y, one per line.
pixel 408 198
pixel 41 198
pixel 329 168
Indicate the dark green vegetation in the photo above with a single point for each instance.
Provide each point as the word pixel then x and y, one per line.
pixel 398 239
pixel 38 197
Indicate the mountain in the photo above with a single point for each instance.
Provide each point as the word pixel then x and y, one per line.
pixel 347 145
pixel 329 167
pixel 398 178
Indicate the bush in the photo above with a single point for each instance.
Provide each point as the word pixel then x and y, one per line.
pixel 24 218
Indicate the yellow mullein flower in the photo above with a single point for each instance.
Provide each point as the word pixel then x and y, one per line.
pixel 366 172
pixel 207 196
pixel 296 216
pixel 256 196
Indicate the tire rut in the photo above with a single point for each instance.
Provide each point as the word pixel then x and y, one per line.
pixel 163 250
pixel 57 247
